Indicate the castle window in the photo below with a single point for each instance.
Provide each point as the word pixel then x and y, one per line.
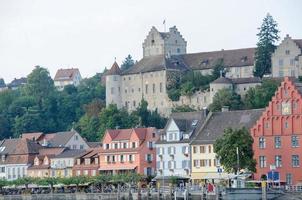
pixel 119 89
pixel 178 50
pixel 287 52
pixel 153 88
pixel 146 88
pixel 134 103
pixel 112 90
pixel 125 90
pixel 262 161
pixel 266 125
pixel 277 142
pixel 139 89
pixel 129 78
pixel 292 61
pixel 295 161
pixel 152 42
pixel 281 62
pixel 175 41
pixel 132 90
pixel 286 125
pixel 160 87
pixel 124 78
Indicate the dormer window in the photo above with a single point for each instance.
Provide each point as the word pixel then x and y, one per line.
pixel 244 59
pixel 3 158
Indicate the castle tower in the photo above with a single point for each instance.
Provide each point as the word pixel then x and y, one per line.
pixel 113 86
pixel 164 43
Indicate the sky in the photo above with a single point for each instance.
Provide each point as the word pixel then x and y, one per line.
pixel 90 34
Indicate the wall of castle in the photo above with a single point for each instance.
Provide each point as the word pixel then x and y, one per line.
pixel 283 59
pixel 198 100
pixel 153 44
pixel 175 44
pixel 214 87
pixel 113 90
pixel 241 89
pixel 240 72
pixel 151 86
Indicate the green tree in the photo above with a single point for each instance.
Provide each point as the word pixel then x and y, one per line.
pixel 267 37
pixel 48 181
pixel 226 97
pixel 218 70
pixel 261 95
pixel 183 108
pixel 226 146
pixel 149 118
pixel 127 63
pixel 111 117
pixel 39 84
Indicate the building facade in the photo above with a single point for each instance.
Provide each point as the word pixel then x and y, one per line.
pixel 87 164
pixel 62 164
pixel 16 156
pixel 277 134
pixel 204 162
pixel 65 77
pixel 129 150
pixel 172 150
pixel 287 58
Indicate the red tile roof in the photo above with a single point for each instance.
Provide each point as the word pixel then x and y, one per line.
pixel 66 74
pixel 32 136
pixel 115 70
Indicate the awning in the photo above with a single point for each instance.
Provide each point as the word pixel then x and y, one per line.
pixel 169 177
pixel 213 175
pixel 118 168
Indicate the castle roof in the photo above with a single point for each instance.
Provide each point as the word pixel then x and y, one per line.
pixel 157 63
pixel 224 80
pixel 114 70
pixel 194 61
pixel 230 58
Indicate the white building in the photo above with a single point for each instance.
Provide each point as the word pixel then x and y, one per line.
pixel 173 152
pixel 65 77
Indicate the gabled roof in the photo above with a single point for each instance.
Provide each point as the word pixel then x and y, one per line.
pixel 19 146
pixel 230 58
pixel 32 136
pixel 94 144
pixel 222 80
pixel 114 70
pixel 125 134
pixel 60 139
pixel 17 151
pixel 218 121
pixel 51 151
pixel 71 153
pixel 92 153
pixel 157 63
pixel 66 74
pixel 187 122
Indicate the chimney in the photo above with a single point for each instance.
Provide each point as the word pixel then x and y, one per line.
pixel 225 109
pixel 205 111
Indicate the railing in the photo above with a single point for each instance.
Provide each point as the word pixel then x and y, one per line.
pixel 293 188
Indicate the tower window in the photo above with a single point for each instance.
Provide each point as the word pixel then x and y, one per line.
pixel 178 50
pixel 287 52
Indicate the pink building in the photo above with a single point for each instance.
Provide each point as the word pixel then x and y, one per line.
pixel 129 150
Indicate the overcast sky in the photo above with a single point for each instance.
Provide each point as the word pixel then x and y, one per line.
pixel 88 34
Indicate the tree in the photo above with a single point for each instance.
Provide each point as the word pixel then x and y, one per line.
pixel 149 118
pixel 218 70
pixel 111 117
pixel 127 63
pixel 39 84
pixel 47 181
pixel 260 96
pixel 267 37
pixel 183 108
pixel 226 149
pixel 226 97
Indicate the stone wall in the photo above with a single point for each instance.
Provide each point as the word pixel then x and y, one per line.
pixel 284 61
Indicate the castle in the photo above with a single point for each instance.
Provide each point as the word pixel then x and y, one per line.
pixel 164 55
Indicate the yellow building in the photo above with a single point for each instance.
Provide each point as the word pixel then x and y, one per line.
pixel 205 165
